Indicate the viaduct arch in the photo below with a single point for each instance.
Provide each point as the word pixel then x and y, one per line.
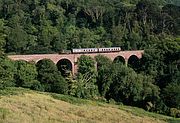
pixel 73 58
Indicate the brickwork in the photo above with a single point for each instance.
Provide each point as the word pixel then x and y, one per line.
pixel 74 57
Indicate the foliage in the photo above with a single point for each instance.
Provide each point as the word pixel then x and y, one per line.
pixel 6 72
pixel 49 26
pixel 162 62
pixel 50 77
pixel 86 86
pixel 25 74
pixel 171 95
pixel 104 78
pixel 2 35
pixel 131 88
pixel 86 65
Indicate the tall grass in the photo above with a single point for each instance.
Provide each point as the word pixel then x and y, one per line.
pixel 20 105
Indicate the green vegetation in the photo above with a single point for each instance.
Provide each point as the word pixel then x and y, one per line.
pixel 19 105
pixel 50 26
pixel 47 26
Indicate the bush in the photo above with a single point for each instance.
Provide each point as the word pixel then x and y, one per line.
pixel 50 78
pixel 86 79
pixel 26 74
pixel 171 95
pixel 7 71
pixel 60 85
pixel 37 86
pixel 174 112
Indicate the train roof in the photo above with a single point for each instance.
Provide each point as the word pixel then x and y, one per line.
pixel 109 47
pixel 95 48
pixel 82 48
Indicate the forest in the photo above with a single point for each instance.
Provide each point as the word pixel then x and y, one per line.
pixel 50 26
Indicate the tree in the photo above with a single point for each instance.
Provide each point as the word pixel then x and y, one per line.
pixel 162 61
pixel 86 65
pixel 50 77
pixel 16 40
pixel 132 88
pixel 127 85
pixel 104 78
pixel 2 36
pixel 86 85
pixel 6 72
pixel 26 74
pixel 171 95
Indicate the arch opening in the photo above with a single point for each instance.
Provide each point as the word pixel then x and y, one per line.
pixel 47 64
pixel 134 62
pixel 119 59
pixel 65 67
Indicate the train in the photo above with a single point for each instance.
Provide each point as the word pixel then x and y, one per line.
pixel 91 50
pixel 96 50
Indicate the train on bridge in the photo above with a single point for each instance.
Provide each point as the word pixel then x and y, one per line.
pixel 91 50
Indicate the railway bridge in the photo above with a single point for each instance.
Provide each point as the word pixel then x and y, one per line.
pixel 71 59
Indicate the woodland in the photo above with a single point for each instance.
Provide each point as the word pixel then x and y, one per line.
pixel 50 26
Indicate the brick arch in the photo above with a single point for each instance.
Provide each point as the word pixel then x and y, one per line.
pixel 138 55
pixel 39 60
pixel 133 56
pixel 134 62
pixel 65 61
pixel 119 57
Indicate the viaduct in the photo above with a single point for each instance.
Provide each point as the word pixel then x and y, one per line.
pixel 72 59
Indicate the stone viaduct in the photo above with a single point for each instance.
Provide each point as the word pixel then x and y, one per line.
pixel 72 58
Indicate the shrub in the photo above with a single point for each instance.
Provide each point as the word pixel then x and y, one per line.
pixel 174 112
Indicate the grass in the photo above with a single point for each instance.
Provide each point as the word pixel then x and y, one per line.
pixel 18 105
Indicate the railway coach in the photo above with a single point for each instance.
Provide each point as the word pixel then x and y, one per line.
pixel 96 50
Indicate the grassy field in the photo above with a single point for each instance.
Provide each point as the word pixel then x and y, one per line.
pixel 19 105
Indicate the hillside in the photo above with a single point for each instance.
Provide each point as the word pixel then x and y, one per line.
pixel 25 106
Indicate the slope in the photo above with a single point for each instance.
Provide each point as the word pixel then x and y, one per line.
pixel 19 105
